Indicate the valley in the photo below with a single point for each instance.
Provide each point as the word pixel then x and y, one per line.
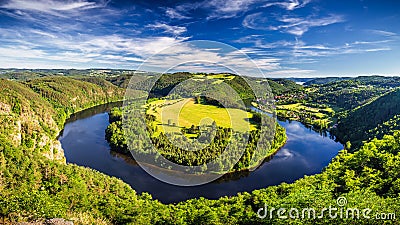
pixel 39 183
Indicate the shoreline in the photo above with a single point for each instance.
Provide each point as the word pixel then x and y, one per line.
pixel 250 168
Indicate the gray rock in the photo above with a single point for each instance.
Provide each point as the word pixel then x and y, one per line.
pixel 58 221
pixel 55 221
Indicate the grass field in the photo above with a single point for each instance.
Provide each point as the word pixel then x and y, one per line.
pixel 298 107
pixel 221 76
pixel 171 115
pixel 316 116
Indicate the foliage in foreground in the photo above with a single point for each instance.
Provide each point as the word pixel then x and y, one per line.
pixel 35 187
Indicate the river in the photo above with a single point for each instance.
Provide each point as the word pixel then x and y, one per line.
pixel 306 152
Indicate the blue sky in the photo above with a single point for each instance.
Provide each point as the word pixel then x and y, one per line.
pixel 284 38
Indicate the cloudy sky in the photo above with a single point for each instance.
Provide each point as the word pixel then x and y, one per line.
pixel 282 37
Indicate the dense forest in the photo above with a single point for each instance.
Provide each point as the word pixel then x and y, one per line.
pixel 360 123
pixel 34 185
pixel 167 82
pixel 348 94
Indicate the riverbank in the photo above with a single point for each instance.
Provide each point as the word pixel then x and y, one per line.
pixel 85 145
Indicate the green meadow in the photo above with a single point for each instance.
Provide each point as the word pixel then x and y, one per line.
pixel 171 115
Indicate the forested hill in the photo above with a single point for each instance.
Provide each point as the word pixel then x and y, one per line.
pixel 168 81
pixel 32 113
pixel 75 94
pixel 325 80
pixel 25 116
pixel 350 93
pixel 281 86
pixel 373 119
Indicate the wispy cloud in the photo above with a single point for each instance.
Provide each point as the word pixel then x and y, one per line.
pixel 175 14
pixel 228 8
pixel 61 16
pixel 197 58
pixel 298 26
pixel 43 33
pixel 215 9
pixel 85 48
pixel 378 49
pixel 382 32
pixel 300 49
pixel 299 52
pixel 78 32
pixel 255 21
pixel 223 9
pixel 372 42
pixel 288 24
pixel 175 30
pixel 289 5
pixel 50 6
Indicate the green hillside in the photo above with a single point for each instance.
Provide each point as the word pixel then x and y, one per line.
pixel 281 86
pixel 25 117
pixel 72 94
pixel 357 125
pixel 32 113
pixel 168 81
pixel 353 92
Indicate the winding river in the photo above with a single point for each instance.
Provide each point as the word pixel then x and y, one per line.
pixel 306 152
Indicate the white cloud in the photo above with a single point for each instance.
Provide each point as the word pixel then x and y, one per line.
pixel 42 33
pixel 382 32
pixel 175 14
pixel 142 47
pixel 228 8
pixel 21 52
pixel 54 17
pixel 41 46
pixel 298 26
pixel 299 52
pixel 371 42
pixel 273 45
pixel 289 5
pixel 52 7
pixel 303 50
pixel 175 30
pixel 198 58
pixel 255 21
pixel 292 25
pixel 377 49
pixel 317 47
pixel 216 9
pixel 223 9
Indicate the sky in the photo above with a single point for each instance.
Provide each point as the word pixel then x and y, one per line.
pixel 281 38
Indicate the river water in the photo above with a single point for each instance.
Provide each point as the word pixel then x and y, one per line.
pixel 306 152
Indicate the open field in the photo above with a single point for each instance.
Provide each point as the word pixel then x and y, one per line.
pixel 318 117
pixel 221 76
pixel 185 112
pixel 298 107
